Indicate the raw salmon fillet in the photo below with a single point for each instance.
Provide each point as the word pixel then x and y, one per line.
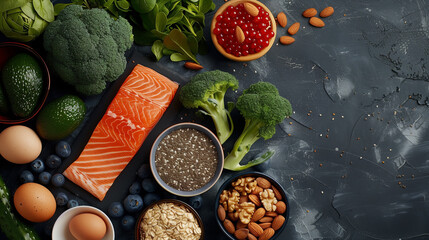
pixel 137 107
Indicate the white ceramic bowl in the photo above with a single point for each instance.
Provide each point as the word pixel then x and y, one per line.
pixel 61 227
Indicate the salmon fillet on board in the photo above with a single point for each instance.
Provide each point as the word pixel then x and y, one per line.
pixel 137 107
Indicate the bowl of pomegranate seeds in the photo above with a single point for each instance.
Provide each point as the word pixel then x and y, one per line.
pixel 243 30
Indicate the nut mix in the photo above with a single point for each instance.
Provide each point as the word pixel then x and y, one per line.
pixel 254 209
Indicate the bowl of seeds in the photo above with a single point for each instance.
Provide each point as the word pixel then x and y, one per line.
pixel 186 159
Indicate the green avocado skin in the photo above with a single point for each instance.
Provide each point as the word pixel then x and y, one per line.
pixel 22 80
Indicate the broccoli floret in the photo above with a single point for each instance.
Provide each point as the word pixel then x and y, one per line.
pixel 262 108
pixel 86 47
pixel 207 91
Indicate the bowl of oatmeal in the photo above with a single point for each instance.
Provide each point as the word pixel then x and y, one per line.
pixel 186 159
pixel 169 219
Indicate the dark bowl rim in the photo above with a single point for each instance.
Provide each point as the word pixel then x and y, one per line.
pixel 219 168
pixel 176 201
pixel 253 174
pixel 46 82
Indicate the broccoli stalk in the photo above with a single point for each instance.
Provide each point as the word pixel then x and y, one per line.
pixel 207 91
pixel 262 108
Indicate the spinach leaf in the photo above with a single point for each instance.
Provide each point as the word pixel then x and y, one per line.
pixel 177 57
pixel 157 49
pixel 45 9
pixel 143 6
pixel 204 6
pixel 193 44
pixel 178 42
pixel 148 19
pixel 161 21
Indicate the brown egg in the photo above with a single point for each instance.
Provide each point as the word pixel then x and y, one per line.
pixel 87 226
pixel 19 144
pixel 34 202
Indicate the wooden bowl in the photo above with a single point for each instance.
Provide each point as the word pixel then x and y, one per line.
pixel 249 57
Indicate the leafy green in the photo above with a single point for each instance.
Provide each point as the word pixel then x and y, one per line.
pixel 143 6
pixel 178 42
pixel 115 8
pixel 157 49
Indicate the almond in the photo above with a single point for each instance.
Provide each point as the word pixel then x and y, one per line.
pixel 241 233
pixel 193 66
pixel 277 193
pixel 258 214
pixel 266 219
pixel 257 190
pixel 267 234
pixel 239 34
pixel 328 11
pixel 286 40
pixel 280 207
pixel 243 199
pixel 293 29
pixel 221 213
pixel 311 12
pixel 316 22
pixel 263 183
pixel 229 226
pixel 233 217
pixel 240 224
pixel 251 9
pixel 282 19
pixel 255 229
pixel 255 199
pixel 271 214
pixel 278 222
pixel 265 225
pixel 251 237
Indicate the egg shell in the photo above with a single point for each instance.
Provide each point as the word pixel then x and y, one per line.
pixel 20 144
pixel 34 202
pixel 87 226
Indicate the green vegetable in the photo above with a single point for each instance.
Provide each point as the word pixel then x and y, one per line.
pixel 143 6
pixel 25 20
pixel 178 42
pixel 206 91
pixel 262 108
pixel 116 8
pixel 86 47
pixel 9 224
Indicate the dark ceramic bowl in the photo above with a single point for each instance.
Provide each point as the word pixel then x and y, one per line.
pixel 8 50
pixel 227 185
pixel 219 167
pixel 175 201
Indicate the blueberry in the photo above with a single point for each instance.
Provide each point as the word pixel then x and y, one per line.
pixel 63 149
pixel 150 198
pixel 58 180
pixel 53 161
pixel 72 203
pixel 135 188
pixel 37 166
pixel 116 209
pixel 144 171
pixel 44 178
pixel 127 222
pixel 149 185
pixel 26 176
pixel 133 203
pixel 196 202
pixel 61 199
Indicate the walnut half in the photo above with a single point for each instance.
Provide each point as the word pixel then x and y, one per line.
pixel 245 185
pixel 268 199
pixel 245 212
pixel 229 200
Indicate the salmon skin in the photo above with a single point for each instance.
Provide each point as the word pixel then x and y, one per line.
pixel 137 107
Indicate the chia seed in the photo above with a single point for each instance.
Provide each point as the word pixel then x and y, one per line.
pixel 186 159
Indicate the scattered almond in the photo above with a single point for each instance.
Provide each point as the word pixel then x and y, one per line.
pixel 240 224
pixel 271 214
pixel 280 207
pixel 241 233
pixel 267 234
pixel 277 193
pixel 229 226
pixel 278 222
pixel 293 29
pixel 265 225
pixel 251 9
pixel 255 199
pixel 266 219
pixel 233 217
pixel 193 66
pixel 255 229
pixel 221 213
pixel 239 34
pixel 258 214
pixel 328 11
pixel 316 22
pixel 257 190
pixel 311 12
pixel 282 19
pixel 263 183
pixel 286 40
pixel 251 237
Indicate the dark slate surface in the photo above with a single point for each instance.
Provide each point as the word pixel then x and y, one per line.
pixel 352 158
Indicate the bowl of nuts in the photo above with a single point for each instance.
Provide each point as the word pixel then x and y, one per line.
pixel 251 205
pixel 169 219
